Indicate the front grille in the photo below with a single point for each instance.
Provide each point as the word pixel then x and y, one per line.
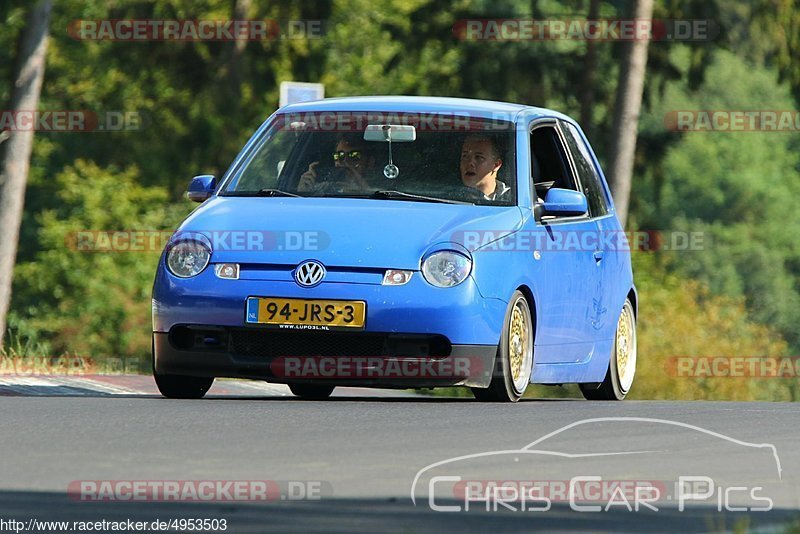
pixel 271 343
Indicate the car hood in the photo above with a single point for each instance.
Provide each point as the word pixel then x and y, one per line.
pixel 342 232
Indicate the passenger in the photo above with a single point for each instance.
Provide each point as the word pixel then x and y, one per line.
pixel 480 162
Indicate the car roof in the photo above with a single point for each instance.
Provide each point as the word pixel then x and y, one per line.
pixel 421 104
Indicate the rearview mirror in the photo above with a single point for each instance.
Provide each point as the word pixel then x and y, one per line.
pixel 390 133
pixel 563 202
pixel 201 187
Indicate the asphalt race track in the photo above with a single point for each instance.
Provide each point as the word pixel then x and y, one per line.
pixel 351 463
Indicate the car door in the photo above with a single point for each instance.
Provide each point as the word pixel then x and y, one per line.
pixel 611 240
pixel 566 256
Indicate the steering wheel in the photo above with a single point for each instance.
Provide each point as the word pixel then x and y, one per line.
pixel 466 194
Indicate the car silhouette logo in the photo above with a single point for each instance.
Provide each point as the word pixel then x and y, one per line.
pixel 309 273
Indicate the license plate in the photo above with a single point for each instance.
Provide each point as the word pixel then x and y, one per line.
pixel 307 314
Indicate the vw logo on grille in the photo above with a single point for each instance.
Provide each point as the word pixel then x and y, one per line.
pixel 309 273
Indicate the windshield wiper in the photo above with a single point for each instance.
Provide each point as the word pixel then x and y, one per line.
pixel 267 192
pixel 399 195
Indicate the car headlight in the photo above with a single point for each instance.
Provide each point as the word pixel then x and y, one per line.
pixel 188 258
pixel 446 268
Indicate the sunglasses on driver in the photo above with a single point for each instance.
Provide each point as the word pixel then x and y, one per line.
pixel 353 155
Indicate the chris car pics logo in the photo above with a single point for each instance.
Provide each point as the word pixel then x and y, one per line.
pixel 565 470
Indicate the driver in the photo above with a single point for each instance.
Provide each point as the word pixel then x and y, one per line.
pixel 353 163
pixel 480 163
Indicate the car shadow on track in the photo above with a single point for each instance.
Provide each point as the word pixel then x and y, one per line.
pixel 66 391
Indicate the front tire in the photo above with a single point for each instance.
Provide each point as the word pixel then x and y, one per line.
pixel 622 364
pixel 514 360
pixel 182 387
pixel 311 391
pixel 179 386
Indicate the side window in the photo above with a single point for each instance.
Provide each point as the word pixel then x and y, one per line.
pixel 549 163
pixel 587 172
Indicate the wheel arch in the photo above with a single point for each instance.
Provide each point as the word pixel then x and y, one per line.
pixel 633 296
pixel 526 291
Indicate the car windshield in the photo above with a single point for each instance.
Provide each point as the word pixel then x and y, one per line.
pixel 443 158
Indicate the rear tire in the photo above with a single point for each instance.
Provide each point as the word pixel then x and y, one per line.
pixel 622 364
pixel 311 391
pixel 514 361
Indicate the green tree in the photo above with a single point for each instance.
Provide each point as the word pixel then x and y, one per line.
pixel 735 188
pixel 94 302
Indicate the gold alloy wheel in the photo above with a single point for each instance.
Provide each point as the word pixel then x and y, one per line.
pixel 625 347
pixel 520 351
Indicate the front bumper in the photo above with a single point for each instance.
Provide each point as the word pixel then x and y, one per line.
pixel 214 351
pixel 461 314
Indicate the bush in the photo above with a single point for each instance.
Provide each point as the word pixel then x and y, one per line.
pixel 92 303
pixel 681 318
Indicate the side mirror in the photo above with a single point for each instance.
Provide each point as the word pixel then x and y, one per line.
pixel 563 202
pixel 201 187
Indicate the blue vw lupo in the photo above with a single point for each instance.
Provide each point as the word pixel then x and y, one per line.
pixel 401 242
